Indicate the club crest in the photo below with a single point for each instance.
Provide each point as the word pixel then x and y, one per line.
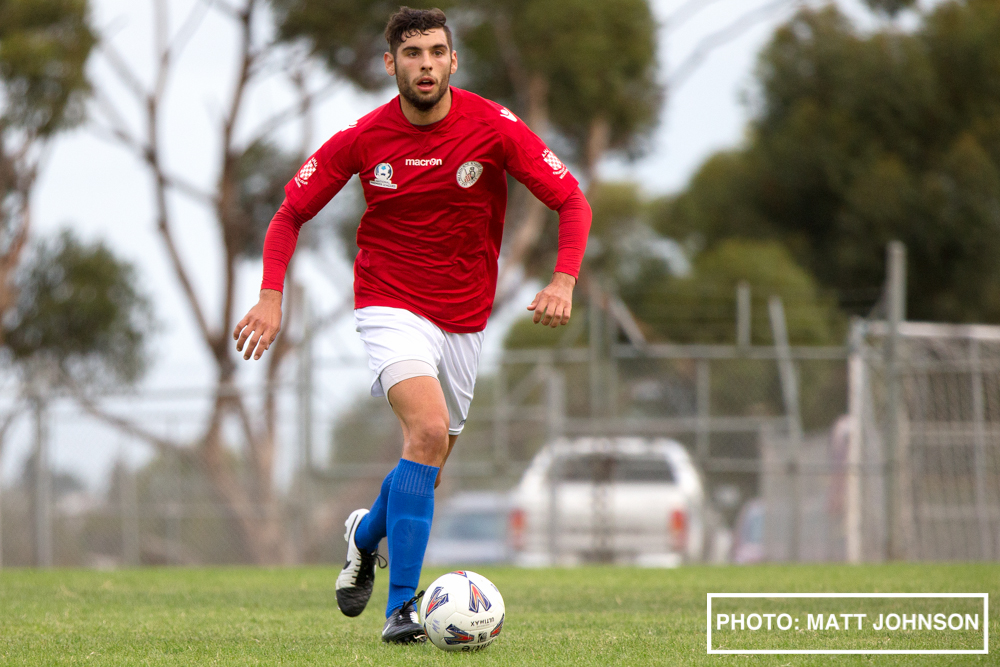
pixel 477 599
pixel 468 174
pixel 438 598
pixel 383 176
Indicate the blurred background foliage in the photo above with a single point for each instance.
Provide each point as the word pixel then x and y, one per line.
pixel 44 46
pixel 79 307
pixel 859 138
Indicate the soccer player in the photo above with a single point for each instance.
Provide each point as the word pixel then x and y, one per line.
pixel 433 163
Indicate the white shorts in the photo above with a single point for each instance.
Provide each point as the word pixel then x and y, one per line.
pixel 394 334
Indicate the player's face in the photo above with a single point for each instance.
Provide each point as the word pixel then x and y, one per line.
pixel 423 65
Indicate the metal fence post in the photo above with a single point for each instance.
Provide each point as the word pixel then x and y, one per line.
pixel 743 315
pixel 979 452
pixel 855 407
pixel 595 334
pixel 703 397
pixel 305 457
pixel 790 393
pixel 555 404
pixel 896 302
pixel 129 508
pixel 501 421
pixel 43 487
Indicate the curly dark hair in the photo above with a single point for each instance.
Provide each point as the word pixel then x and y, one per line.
pixel 408 22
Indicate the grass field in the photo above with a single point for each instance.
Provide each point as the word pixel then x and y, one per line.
pixel 585 616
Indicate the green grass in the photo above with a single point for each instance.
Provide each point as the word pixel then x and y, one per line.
pixel 585 616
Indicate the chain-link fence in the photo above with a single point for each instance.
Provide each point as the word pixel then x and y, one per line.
pixel 924 455
pixel 723 403
pixel 796 448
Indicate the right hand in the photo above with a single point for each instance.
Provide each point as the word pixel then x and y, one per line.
pixel 263 323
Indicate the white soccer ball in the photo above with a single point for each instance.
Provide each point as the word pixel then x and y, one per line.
pixel 462 611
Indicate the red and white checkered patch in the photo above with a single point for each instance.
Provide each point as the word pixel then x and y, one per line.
pixel 306 171
pixel 558 168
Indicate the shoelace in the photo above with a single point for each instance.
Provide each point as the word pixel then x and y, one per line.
pixel 411 603
pixel 365 568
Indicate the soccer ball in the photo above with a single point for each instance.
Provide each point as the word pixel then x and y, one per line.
pixel 462 611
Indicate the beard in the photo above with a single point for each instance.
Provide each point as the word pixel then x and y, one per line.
pixel 422 101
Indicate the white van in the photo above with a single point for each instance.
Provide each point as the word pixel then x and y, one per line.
pixel 623 500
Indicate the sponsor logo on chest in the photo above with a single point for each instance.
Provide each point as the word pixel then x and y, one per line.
pixel 429 162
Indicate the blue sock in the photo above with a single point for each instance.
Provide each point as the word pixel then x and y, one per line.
pixel 371 530
pixel 408 520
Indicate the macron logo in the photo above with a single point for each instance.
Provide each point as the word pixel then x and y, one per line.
pixel 432 162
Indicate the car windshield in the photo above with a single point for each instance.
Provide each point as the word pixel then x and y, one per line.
pixel 613 468
pixel 483 525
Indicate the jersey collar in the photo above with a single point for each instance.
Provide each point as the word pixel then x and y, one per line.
pixel 456 102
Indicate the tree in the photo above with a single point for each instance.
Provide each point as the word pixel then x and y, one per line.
pixel 346 35
pixel 79 310
pixel 44 46
pixel 586 70
pixel 251 170
pixel 687 295
pixel 862 138
pixel 890 7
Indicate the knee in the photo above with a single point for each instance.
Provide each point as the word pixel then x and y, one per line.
pixel 428 440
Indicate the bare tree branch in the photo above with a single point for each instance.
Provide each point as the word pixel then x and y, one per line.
pixel 163 445
pixel 190 26
pixel 306 100
pixel 5 425
pixel 191 190
pixel 294 111
pixel 687 11
pixel 119 129
pixel 124 72
pixel 720 38
pixel 228 196
pixel 228 8
pixel 161 183
pixel 161 28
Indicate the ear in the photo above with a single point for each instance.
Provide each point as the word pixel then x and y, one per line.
pixel 454 61
pixel 390 64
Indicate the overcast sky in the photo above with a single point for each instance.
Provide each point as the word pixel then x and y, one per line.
pixel 103 192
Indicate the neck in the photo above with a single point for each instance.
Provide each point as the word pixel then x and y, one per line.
pixel 432 115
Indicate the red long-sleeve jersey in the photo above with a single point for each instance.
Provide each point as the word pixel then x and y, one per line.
pixel 436 196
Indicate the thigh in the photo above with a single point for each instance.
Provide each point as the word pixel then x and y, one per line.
pixel 457 372
pixel 420 406
pixel 393 334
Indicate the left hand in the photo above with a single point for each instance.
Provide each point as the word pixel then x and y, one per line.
pixel 553 304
